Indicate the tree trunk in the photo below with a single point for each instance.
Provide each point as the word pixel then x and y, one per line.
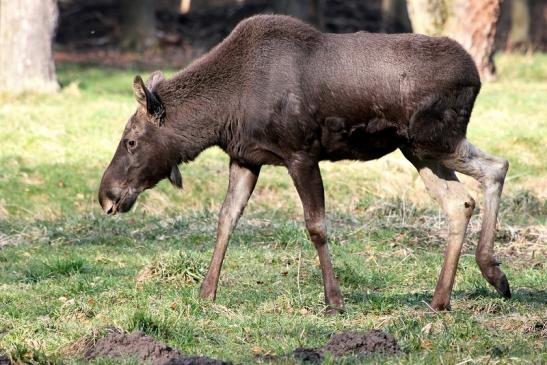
pixel 519 33
pixel 394 16
pixel 138 25
pixel 26 57
pixel 470 22
pixel 185 6
pixel 428 16
pixel 311 11
pixel 538 24
pixel 474 26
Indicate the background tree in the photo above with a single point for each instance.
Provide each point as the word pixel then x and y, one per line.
pixel 394 16
pixel 26 32
pixel 522 26
pixel 311 11
pixel 138 29
pixel 470 22
pixel 519 33
pixel 538 24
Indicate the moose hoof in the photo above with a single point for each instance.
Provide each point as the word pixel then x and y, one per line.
pixel 207 296
pixel 497 279
pixel 206 292
pixel 333 311
pixel 440 305
pixel 335 303
pixel 502 286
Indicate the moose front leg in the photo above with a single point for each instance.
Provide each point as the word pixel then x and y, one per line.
pixel 242 183
pixel 308 182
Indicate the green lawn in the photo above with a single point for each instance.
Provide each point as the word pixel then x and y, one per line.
pixel 67 272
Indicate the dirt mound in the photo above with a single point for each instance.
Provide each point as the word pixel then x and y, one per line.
pixel 144 348
pixel 351 343
pixel 374 341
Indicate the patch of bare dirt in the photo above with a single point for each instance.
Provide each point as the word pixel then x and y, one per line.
pixel 144 348
pixel 4 360
pixel 351 343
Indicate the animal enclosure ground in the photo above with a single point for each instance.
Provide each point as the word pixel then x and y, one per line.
pixel 69 275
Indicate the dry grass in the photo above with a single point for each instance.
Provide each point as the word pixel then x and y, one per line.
pixel 181 269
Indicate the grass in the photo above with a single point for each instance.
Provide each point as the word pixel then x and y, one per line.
pixel 68 273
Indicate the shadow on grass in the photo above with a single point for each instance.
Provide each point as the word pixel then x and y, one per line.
pixel 521 295
pixel 388 301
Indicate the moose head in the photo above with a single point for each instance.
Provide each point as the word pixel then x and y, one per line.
pixel 144 155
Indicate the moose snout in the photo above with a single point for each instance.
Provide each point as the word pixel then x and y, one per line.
pixel 109 206
pixel 109 199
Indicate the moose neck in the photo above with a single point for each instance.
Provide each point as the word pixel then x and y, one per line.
pixel 198 102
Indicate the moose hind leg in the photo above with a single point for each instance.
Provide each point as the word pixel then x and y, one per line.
pixel 458 205
pixel 490 171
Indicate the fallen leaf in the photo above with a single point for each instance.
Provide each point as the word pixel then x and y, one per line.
pixel 426 344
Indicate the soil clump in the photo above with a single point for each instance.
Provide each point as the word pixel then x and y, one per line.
pixel 351 343
pixel 145 348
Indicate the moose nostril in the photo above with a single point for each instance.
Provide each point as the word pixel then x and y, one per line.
pixel 109 206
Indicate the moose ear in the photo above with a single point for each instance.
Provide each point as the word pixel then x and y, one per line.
pixel 175 177
pixel 149 100
pixel 153 80
pixel 140 90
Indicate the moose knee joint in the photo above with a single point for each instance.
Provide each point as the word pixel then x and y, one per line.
pixel 469 206
pixel 318 232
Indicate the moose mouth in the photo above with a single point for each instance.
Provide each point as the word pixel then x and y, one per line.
pixel 121 205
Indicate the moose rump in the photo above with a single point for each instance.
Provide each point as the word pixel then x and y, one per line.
pixel 376 93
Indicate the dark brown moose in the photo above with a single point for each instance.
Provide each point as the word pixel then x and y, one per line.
pixel 277 91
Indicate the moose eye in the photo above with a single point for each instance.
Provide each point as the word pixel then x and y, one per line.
pixel 131 144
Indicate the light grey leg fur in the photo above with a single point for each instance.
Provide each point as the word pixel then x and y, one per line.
pixel 443 185
pixel 242 183
pixel 490 171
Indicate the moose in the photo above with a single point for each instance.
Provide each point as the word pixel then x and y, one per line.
pixel 278 91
